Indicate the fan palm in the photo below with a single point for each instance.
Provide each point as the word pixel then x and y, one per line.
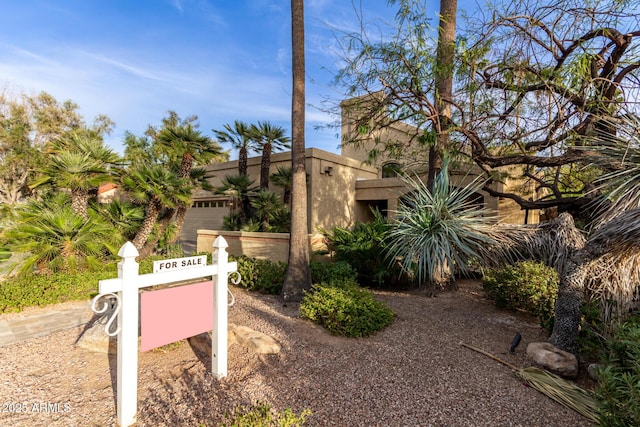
pixel 239 136
pixel 190 147
pixel 283 178
pixel 270 138
pixel 239 186
pixel 57 239
pixel 123 216
pixel 266 205
pixel 79 164
pixel 607 262
pixel 156 188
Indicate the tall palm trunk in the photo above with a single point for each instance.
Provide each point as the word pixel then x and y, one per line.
pixel 298 276
pixel 443 85
pixel 242 161
pixel 265 165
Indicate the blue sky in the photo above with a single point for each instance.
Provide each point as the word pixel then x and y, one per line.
pixel 134 60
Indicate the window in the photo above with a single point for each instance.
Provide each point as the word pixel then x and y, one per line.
pixel 391 169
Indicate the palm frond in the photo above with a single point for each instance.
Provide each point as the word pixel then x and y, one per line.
pixel 562 391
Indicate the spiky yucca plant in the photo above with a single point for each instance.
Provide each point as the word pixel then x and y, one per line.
pixel 436 230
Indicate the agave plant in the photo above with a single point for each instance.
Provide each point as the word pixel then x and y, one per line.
pixel 435 231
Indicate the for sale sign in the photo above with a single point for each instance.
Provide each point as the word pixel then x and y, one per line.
pixel 179 263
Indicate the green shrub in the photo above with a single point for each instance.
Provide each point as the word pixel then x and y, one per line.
pixel 527 286
pixel 261 275
pixel 332 272
pixel 363 246
pixel 618 390
pixel 345 309
pixel 592 338
pixel 43 289
pixel 262 415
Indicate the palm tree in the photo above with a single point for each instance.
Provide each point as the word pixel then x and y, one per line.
pixel 57 239
pixel 189 146
pixel 298 276
pixel 607 265
pixel 157 188
pixel 283 178
pixel 123 216
pixel 267 205
pixel 79 164
pixel 443 83
pixel 239 136
pixel 239 187
pixel 270 138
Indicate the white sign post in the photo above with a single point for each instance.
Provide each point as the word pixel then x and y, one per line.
pixel 125 289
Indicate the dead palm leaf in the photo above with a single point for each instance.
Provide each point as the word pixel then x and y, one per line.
pixel 562 391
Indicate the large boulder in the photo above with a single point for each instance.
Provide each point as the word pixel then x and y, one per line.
pixel 255 341
pixel 553 359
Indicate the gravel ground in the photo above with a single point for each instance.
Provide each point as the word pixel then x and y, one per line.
pixel 414 373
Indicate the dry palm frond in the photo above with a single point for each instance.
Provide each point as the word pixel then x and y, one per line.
pixel 562 391
pixel 619 155
pixel 551 242
pixel 618 236
pixel 613 281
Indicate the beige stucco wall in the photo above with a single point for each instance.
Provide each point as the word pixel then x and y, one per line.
pixel 332 191
pixel 331 184
pixel 271 246
pixel 356 145
pixel 387 189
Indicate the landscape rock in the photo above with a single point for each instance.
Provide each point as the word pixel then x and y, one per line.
pixel 95 339
pixel 553 359
pixel 255 341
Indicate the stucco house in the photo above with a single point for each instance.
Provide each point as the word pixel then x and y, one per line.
pixel 341 189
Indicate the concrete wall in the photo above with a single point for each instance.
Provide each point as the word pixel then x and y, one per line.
pixel 271 246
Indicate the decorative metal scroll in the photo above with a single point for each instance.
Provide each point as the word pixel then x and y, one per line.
pixel 106 305
pixel 235 280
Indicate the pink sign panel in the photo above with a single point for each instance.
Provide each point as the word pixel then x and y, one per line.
pixel 173 314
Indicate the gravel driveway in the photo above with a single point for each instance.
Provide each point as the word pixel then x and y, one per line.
pixel 414 373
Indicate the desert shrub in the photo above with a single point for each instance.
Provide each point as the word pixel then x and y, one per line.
pixel 332 272
pixel 363 246
pixel 527 286
pixel 267 277
pixel 618 390
pixel 261 275
pixel 345 309
pixel 43 289
pixel 262 415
